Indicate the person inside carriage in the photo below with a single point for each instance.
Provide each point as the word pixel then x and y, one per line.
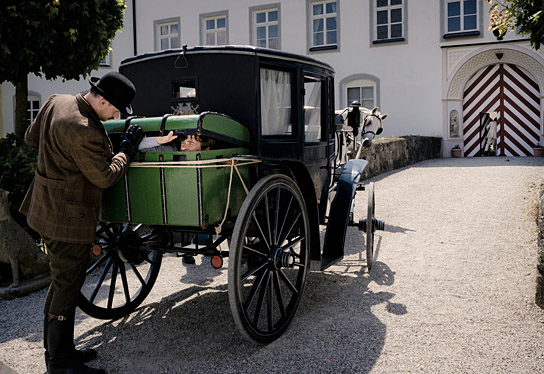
pixel 167 143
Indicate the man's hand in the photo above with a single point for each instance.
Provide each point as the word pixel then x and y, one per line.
pixel 131 139
pixel 167 138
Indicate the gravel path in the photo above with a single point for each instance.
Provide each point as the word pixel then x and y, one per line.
pixel 452 291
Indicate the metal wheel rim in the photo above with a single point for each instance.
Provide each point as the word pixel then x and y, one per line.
pixel 370 227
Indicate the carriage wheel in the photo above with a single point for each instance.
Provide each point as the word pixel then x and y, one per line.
pixel 269 257
pixel 124 271
pixel 370 227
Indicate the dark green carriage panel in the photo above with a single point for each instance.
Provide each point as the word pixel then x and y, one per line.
pixel 181 196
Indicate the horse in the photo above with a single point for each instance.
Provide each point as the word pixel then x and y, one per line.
pixel 356 117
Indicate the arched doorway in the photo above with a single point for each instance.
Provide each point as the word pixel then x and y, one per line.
pixel 512 92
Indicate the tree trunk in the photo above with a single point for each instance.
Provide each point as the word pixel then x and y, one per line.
pixel 21 107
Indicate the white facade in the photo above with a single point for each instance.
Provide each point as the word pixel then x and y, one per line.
pixel 417 73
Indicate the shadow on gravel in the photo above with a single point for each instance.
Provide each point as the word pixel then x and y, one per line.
pixel 334 330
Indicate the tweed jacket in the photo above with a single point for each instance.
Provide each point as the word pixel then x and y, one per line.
pixel 75 163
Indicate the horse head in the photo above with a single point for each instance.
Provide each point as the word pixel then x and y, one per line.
pixel 372 125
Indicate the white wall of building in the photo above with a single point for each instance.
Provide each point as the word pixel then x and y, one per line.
pixel 412 75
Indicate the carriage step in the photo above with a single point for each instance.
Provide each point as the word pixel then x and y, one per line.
pixel 329 261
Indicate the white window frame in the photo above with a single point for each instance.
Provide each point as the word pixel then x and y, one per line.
pixel 170 37
pixel 311 18
pixel 204 32
pixel 358 80
pixel 253 11
pixel 477 31
pixel 32 111
pixel 362 99
pixel 374 9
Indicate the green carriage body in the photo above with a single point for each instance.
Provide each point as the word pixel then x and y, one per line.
pixel 173 189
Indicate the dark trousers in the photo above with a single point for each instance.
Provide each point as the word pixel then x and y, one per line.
pixel 68 262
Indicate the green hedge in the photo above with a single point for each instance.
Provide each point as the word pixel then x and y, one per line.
pixel 17 166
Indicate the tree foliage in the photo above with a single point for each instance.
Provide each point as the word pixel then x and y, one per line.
pixel 53 38
pixel 56 38
pixel 17 166
pixel 508 15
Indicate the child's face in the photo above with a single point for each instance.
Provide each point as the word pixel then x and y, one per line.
pixel 190 144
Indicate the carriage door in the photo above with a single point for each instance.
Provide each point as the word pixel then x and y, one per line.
pixel 513 93
pixel 315 134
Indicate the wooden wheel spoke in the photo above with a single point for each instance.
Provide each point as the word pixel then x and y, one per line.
pixel 253 291
pixel 138 275
pixel 277 216
pixel 267 219
pixel 260 301
pixel 125 283
pixel 287 282
pixel 292 244
pixel 269 297
pixel 113 281
pixel 253 250
pixel 260 230
pixel 101 279
pixel 98 263
pixel 249 273
pixel 286 214
pixel 279 295
pixel 286 234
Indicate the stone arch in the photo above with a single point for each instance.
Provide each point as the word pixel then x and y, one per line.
pixel 480 58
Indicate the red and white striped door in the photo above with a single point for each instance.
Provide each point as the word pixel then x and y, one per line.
pixel 513 93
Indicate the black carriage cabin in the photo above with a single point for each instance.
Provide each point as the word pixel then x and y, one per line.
pixel 284 99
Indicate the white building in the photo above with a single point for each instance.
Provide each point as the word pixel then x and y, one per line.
pixel 432 65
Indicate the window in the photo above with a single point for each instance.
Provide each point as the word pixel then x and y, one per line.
pixel 214 29
pixel 462 15
pixel 389 22
pixel 33 107
pixel 266 27
pixel 324 25
pixel 276 94
pixel 106 61
pixel 363 88
pixel 364 95
pixel 184 89
pixel 312 110
pixel 461 18
pixel 167 34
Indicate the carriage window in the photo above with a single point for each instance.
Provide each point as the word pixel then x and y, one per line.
pixel 312 110
pixel 184 89
pixel 276 88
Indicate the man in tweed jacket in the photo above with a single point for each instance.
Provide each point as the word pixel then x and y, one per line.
pixel 75 163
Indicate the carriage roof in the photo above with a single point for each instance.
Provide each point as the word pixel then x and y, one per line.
pixel 231 49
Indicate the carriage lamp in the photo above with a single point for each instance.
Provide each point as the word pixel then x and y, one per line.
pixel 354 117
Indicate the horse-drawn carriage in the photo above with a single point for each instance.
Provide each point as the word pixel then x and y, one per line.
pixel 278 170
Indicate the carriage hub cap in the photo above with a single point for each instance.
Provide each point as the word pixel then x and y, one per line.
pixel 281 259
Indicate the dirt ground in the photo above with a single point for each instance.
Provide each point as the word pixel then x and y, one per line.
pixel 452 291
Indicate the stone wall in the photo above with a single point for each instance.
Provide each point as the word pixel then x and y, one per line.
pixel 539 298
pixel 392 153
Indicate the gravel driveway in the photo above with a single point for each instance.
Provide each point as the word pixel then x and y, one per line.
pixel 452 291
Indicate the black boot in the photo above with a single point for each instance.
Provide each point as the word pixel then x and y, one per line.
pixel 83 356
pixel 63 359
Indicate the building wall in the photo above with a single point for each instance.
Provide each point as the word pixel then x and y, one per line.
pixel 413 76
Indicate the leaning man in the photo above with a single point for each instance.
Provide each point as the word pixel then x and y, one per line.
pixel 75 163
